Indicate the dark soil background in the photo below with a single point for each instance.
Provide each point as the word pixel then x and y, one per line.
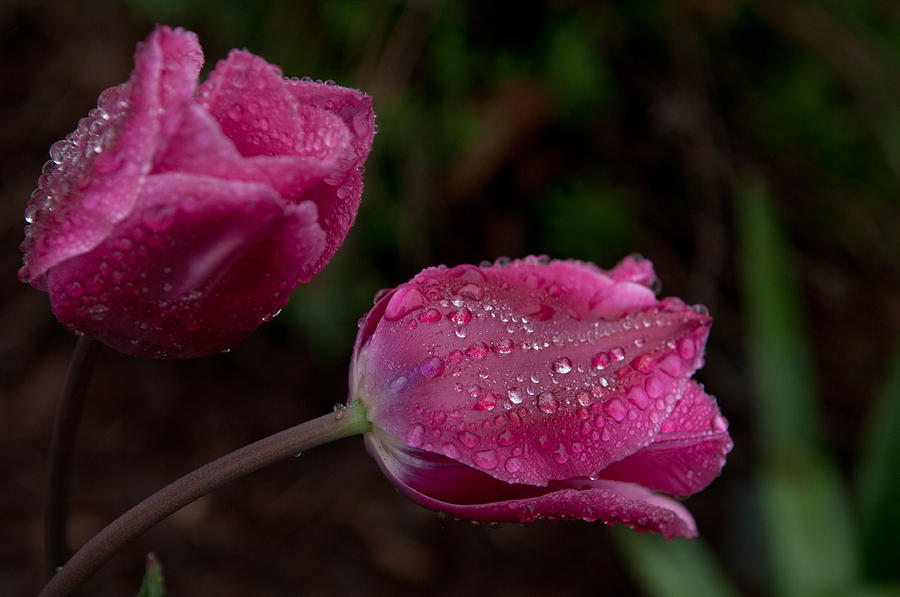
pixel 570 128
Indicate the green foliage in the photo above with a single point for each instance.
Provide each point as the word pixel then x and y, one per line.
pixel 880 480
pixel 808 524
pixel 153 584
pixel 590 221
pixel 678 568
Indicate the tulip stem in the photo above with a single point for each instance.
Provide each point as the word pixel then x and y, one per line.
pixel 62 443
pixel 342 423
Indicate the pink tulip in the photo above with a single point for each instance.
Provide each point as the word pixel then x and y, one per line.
pixel 175 219
pixel 539 389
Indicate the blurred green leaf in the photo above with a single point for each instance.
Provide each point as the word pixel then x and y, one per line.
pixel 678 568
pixel 153 584
pixel 807 517
pixel 879 467
pixel 576 69
pixel 590 221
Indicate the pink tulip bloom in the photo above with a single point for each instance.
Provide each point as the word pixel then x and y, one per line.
pixel 175 219
pixel 539 389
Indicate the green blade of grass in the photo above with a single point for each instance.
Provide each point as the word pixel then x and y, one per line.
pixel 678 568
pixel 808 524
pixel 153 584
pixel 879 468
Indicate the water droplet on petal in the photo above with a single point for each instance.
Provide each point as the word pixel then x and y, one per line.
pixel 615 409
pixel 404 301
pixel 414 436
pixel 513 464
pixel 460 316
pixel 617 354
pixel 600 361
pixel 468 439
pixel 486 402
pixel 547 403
pixel 507 438
pixel 686 348
pixel 562 365
pixel 515 395
pixel 472 291
pixel 719 423
pixel 477 351
pixel 504 346
pixel 638 397
pixel 432 367
pixel 430 316
pixel 486 459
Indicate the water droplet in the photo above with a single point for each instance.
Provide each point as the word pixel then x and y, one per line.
pixel 638 397
pixel 235 111
pixel 414 436
pixel 686 348
pixel 339 411
pixel 450 450
pixel 477 351
pixel 455 356
pixel 75 289
pixel 615 409
pixel 430 316
pixel 547 403
pixel 504 346
pixel 507 438
pixel 460 316
pixel 432 367
pixel 468 439
pixel 654 387
pixel 562 365
pixel 472 291
pixel 486 402
pixel 515 395
pixel 644 363
pixel 671 365
pixel 560 455
pixel 405 300
pixel 397 384
pixel 159 219
pixel 600 361
pixel 719 423
pixel 513 464
pixel 617 354
pixel 486 459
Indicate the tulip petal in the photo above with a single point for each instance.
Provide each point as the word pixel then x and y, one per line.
pixel 309 139
pixel 338 200
pixel 609 501
pixel 508 365
pixel 165 283
pixel 91 183
pixel 687 453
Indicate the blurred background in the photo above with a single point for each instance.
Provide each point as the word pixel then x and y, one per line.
pixel 750 149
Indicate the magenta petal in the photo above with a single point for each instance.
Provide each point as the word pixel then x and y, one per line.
pixel 609 501
pixel 164 284
pixel 308 138
pixel 635 268
pixel 686 455
pixel 532 387
pixel 91 182
pixel 339 198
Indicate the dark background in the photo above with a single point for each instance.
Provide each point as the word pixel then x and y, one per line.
pixel 750 149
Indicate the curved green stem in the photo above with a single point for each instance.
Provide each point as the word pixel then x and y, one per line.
pixel 342 423
pixel 62 443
